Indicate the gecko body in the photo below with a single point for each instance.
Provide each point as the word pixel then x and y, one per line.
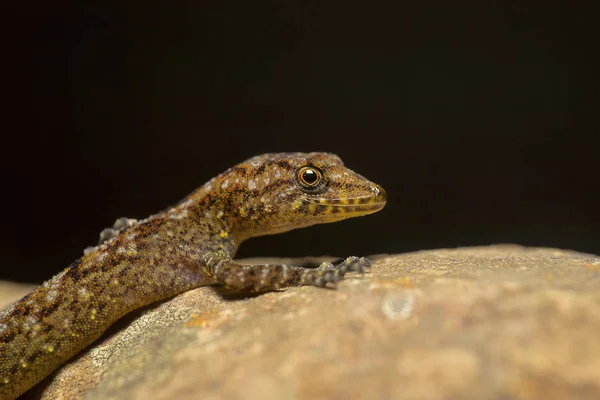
pixel 189 245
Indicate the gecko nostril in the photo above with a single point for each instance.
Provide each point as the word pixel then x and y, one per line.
pixel 379 193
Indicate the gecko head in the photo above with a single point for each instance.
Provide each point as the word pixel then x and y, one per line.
pixel 278 192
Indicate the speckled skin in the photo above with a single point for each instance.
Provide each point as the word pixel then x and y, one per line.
pixel 189 245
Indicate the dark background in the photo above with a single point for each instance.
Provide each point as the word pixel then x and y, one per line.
pixel 479 119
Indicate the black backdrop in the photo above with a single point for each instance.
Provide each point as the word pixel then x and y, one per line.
pixel 478 119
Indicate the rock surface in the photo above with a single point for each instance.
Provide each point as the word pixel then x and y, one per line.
pixel 493 322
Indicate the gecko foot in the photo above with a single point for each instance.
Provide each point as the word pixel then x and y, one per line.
pixel 119 226
pixel 328 275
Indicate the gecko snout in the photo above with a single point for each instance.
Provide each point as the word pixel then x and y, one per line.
pixel 378 198
pixel 380 195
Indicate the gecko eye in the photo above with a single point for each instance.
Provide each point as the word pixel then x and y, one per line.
pixel 309 177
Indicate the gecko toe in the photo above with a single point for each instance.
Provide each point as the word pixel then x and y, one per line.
pixel 326 265
pixel 354 264
pixel 363 264
pixel 366 263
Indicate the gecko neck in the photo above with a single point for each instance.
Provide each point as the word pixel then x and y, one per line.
pixel 204 214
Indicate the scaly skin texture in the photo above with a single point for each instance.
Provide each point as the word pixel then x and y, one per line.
pixel 189 245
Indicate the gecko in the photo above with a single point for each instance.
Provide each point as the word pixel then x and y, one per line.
pixel 188 245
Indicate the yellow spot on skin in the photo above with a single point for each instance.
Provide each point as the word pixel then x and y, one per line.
pixel 296 204
pixel 219 214
pixel 243 212
pixel 93 316
pixel 37 327
pixel 24 364
pixel 115 282
pixel 223 234
pixel 50 348
pixel 6 380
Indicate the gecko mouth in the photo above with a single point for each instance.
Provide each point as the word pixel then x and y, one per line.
pixel 332 208
pixel 351 206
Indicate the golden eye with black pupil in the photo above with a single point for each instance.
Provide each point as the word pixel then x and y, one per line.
pixel 309 177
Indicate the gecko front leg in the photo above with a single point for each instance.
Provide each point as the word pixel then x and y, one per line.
pixel 266 277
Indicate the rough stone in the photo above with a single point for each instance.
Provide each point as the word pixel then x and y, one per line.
pixel 492 322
